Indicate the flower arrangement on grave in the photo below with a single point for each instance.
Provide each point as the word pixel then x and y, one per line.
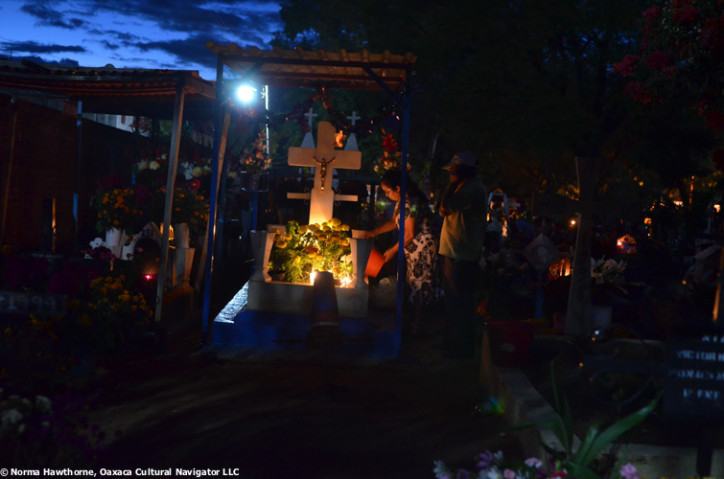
pixel 572 459
pixel 190 206
pixel 36 429
pixel 255 160
pixel 494 465
pixel 304 249
pixel 151 171
pixel 607 278
pixel 109 315
pixel 115 207
pixel 198 170
pixel 391 157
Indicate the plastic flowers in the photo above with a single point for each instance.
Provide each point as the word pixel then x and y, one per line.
pixel 392 157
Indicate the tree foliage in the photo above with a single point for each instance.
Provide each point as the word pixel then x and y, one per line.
pixel 527 85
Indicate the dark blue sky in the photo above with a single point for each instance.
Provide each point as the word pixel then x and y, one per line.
pixel 169 34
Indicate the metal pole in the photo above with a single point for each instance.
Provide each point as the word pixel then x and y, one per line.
pixel 221 127
pixel 78 169
pixel 8 169
pixel 178 111
pixel 403 192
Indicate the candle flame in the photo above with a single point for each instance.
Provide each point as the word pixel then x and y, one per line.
pixel 339 139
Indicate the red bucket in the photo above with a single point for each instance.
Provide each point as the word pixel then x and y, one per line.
pixel 374 263
pixel 510 342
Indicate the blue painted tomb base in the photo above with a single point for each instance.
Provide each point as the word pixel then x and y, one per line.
pixel 236 327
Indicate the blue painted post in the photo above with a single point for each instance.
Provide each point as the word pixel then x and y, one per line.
pixel 220 126
pixel 403 192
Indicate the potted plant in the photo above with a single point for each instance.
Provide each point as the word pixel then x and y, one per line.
pixel 116 209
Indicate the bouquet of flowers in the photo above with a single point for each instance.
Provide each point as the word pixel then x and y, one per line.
pixel 109 315
pixel 256 160
pixel 190 206
pixel 151 172
pixel 391 158
pixel 301 250
pixel 607 279
pixel 116 207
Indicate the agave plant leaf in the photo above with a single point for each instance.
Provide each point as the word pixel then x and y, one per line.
pixel 599 442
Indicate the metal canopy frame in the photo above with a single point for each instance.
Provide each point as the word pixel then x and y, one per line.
pixel 160 94
pixel 314 69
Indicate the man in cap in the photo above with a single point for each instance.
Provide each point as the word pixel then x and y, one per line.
pixel 463 207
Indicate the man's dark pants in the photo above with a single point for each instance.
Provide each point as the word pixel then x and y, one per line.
pixel 459 279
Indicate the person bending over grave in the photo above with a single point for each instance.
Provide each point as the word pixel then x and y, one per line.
pixel 420 244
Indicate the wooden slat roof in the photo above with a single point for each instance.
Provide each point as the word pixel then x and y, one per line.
pixel 121 91
pixel 295 68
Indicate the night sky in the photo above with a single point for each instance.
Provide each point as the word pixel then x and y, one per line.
pixel 167 34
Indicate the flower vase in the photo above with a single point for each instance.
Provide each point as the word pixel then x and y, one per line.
pixel 114 237
pixel 181 235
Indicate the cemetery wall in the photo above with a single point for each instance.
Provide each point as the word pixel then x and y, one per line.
pixel 44 167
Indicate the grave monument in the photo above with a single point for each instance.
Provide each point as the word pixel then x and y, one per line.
pixel 296 298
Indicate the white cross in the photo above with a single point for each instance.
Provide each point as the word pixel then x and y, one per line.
pixel 354 118
pixel 352 141
pixel 322 196
pixel 310 116
pixel 308 141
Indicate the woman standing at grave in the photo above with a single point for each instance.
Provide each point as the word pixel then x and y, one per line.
pixel 420 243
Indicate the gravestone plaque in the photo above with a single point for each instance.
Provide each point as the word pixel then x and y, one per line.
pixel 19 302
pixel 694 386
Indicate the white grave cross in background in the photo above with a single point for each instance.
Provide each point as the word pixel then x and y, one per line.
pixel 324 158
pixel 352 141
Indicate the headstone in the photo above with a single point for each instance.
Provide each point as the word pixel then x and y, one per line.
pixel 324 159
pixel 352 141
pixel 308 141
pixel 694 386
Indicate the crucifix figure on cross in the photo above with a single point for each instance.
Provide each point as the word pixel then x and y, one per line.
pixel 323 169
pixel 322 199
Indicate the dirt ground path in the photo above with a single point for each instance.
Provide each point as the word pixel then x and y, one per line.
pixel 298 415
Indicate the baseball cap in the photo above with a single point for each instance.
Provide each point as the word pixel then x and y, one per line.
pixel 466 158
